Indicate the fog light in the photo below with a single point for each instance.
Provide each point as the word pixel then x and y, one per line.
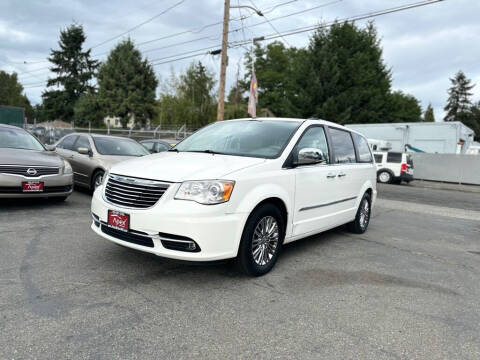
pixel 191 246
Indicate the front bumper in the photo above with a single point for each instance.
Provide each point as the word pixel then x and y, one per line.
pixel 54 186
pixel 216 232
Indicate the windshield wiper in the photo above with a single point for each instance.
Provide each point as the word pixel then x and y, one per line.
pixel 173 150
pixel 208 151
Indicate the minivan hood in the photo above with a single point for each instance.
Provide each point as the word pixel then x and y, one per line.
pixel 177 167
pixel 29 157
pixel 110 160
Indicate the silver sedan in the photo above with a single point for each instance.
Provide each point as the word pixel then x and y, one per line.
pixel 28 169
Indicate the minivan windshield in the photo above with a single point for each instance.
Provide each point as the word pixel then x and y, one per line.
pixel 19 139
pixel 118 146
pixel 253 138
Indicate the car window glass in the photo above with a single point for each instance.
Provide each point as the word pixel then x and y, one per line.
pixel 378 158
pixel 148 145
pixel 364 154
pixel 67 143
pixel 315 138
pixel 162 147
pixel 343 146
pixel 394 157
pixel 82 142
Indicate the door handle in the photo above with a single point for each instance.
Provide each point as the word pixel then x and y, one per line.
pixel 331 175
pixel 342 174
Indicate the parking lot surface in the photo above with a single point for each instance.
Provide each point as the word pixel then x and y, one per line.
pixel 406 289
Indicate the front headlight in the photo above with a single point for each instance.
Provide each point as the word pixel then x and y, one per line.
pixel 206 192
pixel 67 168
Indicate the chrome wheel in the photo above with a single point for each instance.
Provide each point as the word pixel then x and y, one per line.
pixel 384 177
pixel 265 240
pixel 364 214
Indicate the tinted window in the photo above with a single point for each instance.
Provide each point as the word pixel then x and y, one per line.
pixel 378 158
pixel 18 139
pixel 118 146
pixel 254 138
pixel 364 154
pixel 343 146
pixel 67 143
pixel 82 142
pixel 315 138
pixel 394 157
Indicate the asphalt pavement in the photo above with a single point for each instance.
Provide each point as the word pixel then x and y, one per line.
pixel 406 289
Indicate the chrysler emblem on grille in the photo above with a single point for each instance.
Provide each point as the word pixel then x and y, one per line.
pixel 31 171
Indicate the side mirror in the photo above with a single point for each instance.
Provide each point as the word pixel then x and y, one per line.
pixel 84 151
pixel 310 156
pixel 50 147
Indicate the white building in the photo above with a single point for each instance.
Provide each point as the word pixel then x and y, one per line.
pixel 430 137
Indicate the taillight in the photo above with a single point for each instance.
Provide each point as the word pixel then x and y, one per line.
pixel 403 168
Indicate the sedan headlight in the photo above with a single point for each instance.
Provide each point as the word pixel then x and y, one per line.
pixel 67 168
pixel 206 192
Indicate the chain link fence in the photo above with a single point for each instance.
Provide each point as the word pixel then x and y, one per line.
pixel 50 135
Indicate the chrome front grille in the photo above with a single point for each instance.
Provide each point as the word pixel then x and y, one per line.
pixel 28 171
pixel 133 192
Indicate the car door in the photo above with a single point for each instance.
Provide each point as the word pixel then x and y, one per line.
pixel 316 192
pixel 349 177
pixel 65 147
pixel 82 163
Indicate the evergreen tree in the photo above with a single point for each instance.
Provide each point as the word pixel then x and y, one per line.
pixel 459 96
pixel 74 69
pixel 347 80
pixel 127 85
pixel 11 94
pixel 88 111
pixel 402 108
pixel 429 116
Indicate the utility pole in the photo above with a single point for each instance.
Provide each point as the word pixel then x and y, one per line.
pixel 224 61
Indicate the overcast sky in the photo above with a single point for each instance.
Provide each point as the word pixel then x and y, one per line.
pixel 423 46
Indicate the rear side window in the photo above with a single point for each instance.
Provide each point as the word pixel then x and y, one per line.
pixel 162 147
pixel 378 158
pixel 343 146
pixel 394 157
pixel 364 154
pixel 67 143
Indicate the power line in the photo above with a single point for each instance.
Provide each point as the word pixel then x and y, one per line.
pixel 139 25
pixel 241 18
pixel 199 52
pixel 271 25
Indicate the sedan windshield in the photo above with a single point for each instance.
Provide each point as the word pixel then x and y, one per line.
pixel 254 138
pixel 119 147
pixel 19 139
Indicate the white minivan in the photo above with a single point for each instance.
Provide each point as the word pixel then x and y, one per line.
pixel 239 189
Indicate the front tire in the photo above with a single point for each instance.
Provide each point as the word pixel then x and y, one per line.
pixel 362 219
pixel 97 179
pixel 261 241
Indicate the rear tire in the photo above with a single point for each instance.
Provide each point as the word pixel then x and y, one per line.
pixel 385 177
pixel 362 219
pixel 261 241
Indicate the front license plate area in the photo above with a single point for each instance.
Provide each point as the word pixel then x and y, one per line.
pixel 118 220
pixel 32 186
